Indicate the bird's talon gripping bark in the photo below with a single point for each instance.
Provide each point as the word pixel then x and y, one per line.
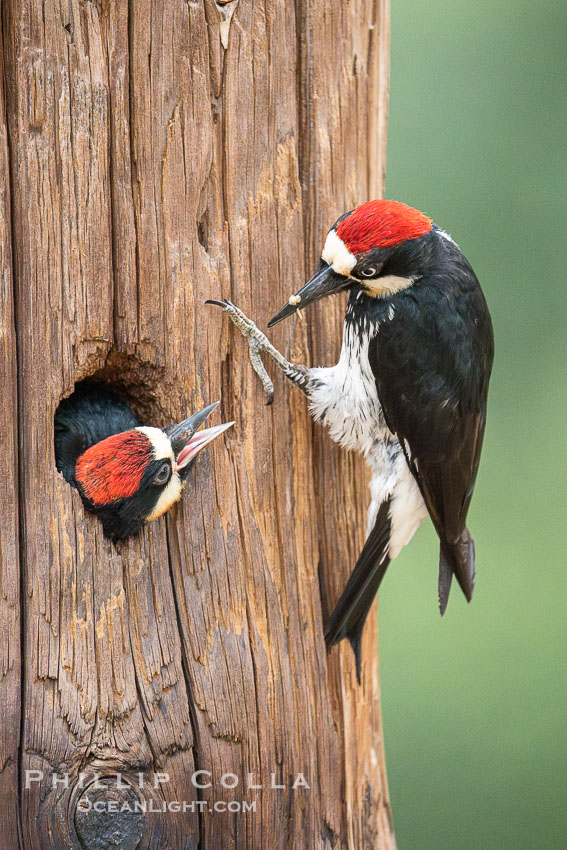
pixel 245 325
pixel 254 349
pixel 257 342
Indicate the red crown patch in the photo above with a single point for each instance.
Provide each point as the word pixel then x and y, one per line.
pixel 113 468
pixel 381 224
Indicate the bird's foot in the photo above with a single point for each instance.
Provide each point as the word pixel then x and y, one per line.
pixel 245 325
pixel 259 343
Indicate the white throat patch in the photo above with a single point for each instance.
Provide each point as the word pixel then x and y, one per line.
pixel 337 255
pixel 382 287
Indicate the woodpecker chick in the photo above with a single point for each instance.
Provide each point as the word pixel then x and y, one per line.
pixel 125 473
pixel 409 391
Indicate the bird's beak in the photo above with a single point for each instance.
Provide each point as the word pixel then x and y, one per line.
pixel 324 282
pixel 186 443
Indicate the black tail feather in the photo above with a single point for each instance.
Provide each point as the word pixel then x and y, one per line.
pixel 351 611
pixel 354 638
pixel 456 559
pixel 445 579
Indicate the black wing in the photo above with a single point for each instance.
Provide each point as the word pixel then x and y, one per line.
pixel 431 359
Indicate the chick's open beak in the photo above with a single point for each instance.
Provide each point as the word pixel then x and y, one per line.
pixel 187 442
pixel 324 282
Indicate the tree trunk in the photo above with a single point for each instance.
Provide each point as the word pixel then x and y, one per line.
pixel 154 154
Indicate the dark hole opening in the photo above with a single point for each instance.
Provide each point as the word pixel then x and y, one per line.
pixel 203 230
pixel 124 378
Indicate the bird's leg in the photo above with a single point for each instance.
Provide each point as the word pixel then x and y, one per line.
pixel 258 343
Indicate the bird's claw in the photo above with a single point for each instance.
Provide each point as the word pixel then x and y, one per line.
pixel 257 342
pixel 245 325
pixel 254 349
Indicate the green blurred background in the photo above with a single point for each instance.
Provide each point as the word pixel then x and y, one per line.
pixel 475 704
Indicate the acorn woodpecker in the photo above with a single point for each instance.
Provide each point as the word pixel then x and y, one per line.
pixel 409 390
pixel 126 474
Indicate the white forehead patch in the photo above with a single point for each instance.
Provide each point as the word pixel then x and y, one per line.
pixel 337 255
pixel 160 443
pixel 162 450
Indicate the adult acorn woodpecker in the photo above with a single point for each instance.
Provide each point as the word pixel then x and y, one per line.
pixel 409 390
pixel 125 473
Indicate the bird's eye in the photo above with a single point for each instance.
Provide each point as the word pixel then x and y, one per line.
pixel 162 475
pixel 370 272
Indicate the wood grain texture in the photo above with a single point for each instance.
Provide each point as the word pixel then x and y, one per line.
pixel 10 626
pixel 162 152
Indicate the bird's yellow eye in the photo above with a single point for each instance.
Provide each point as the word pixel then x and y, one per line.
pixel 163 473
pixel 370 272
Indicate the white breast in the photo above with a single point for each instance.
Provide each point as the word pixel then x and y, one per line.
pixel 344 397
pixel 345 400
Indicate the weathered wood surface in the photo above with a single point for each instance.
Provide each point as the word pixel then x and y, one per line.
pixel 158 153
pixel 10 643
